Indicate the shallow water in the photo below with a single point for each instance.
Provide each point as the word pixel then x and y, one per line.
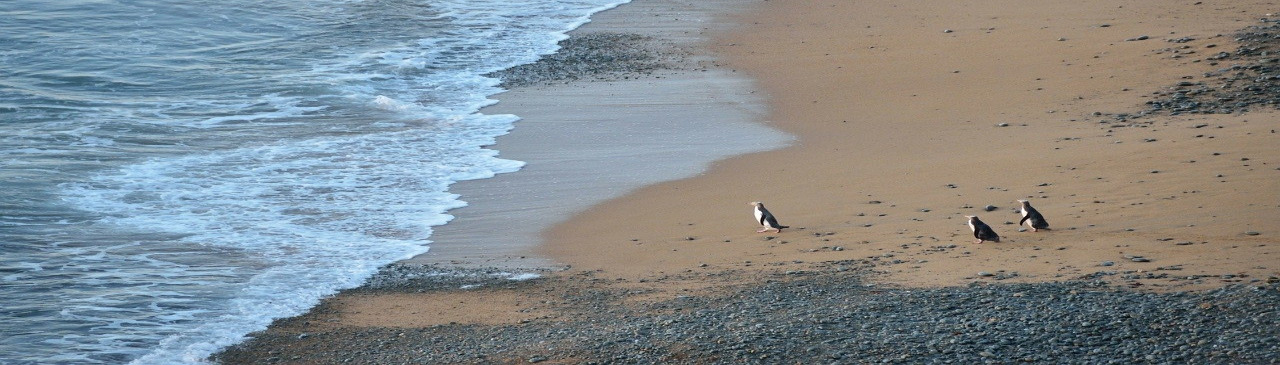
pixel 177 174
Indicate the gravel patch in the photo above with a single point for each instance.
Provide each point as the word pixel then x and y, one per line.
pixel 1248 77
pixel 596 56
pixel 411 278
pixel 826 314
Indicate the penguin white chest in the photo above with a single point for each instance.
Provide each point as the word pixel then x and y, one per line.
pixel 759 215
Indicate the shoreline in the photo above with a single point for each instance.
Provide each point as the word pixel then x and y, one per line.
pixel 908 116
pixel 591 137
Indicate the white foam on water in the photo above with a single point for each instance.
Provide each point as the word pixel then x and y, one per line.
pixel 211 244
pixel 523 276
pixel 268 107
pixel 319 215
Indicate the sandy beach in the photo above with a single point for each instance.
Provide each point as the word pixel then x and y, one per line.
pixel 871 129
pixel 904 109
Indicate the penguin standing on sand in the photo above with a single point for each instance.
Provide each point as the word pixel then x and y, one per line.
pixel 1031 217
pixel 982 231
pixel 766 219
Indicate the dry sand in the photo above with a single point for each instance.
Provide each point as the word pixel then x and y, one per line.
pixel 899 103
pixel 896 108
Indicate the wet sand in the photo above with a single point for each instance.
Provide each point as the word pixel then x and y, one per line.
pixel 588 141
pixel 907 115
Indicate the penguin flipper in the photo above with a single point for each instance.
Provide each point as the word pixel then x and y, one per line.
pixel 986 233
pixel 772 222
pixel 1040 223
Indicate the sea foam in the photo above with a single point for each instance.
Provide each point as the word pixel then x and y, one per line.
pixel 179 175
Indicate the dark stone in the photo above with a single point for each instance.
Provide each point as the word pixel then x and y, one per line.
pixel 1252 80
pixel 600 55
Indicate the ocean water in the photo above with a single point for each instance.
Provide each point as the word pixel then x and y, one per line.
pixel 176 174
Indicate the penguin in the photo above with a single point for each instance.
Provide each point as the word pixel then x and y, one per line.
pixel 982 231
pixel 1032 217
pixel 766 219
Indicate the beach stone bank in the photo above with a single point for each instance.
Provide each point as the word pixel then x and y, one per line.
pixel 1247 77
pixel 596 56
pixel 824 314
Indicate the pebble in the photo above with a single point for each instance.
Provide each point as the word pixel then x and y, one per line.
pixel 990 208
pixel 821 315
pixel 1228 90
pixel 597 55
